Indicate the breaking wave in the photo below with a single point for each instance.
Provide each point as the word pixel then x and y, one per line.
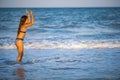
pixel 65 44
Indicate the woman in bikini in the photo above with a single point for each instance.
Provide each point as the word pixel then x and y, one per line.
pixel 25 22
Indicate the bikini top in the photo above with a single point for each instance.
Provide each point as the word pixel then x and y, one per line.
pixel 22 31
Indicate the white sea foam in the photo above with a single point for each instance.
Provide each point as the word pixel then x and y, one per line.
pixel 65 45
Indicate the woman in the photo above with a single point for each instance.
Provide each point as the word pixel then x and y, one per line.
pixel 25 22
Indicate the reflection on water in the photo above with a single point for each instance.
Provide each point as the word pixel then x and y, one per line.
pixel 20 73
pixel 61 64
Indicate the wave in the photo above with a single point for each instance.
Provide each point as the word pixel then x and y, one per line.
pixel 65 44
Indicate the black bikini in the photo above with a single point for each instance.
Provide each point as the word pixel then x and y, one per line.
pixel 22 31
pixel 20 38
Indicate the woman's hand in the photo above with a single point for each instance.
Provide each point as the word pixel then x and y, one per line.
pixel 31 13
pixel 27 12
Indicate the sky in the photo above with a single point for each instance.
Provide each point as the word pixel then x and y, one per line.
pixel 59 3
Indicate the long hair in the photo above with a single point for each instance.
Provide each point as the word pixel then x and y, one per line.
pixel 23 19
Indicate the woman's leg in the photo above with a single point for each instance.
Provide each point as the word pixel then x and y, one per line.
pixel 20 48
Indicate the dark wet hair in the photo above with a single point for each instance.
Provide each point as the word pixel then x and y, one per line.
pixel 23 19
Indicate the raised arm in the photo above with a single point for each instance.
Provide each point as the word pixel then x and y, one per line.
pixel 30 19
pixel 28 14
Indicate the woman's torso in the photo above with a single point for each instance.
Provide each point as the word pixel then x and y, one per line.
pixel 21 32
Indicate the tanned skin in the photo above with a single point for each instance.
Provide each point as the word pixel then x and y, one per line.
pixel 24 24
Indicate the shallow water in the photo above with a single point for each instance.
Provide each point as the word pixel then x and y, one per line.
pixel 61 64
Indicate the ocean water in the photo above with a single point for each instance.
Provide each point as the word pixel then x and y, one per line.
pixel 61 64
pixel 63 44
pixel 68 28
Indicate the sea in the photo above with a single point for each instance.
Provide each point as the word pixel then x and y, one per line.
pixel 69 28
pixel 63 44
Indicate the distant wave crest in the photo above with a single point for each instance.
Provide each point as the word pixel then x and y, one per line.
pixel 65 45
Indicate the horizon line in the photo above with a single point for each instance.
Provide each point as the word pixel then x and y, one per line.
pixel 69 7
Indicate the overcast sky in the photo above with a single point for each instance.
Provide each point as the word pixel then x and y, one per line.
pixel 59 3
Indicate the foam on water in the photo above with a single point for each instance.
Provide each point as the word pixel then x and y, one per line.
pixel 66 28
pixel 65 45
